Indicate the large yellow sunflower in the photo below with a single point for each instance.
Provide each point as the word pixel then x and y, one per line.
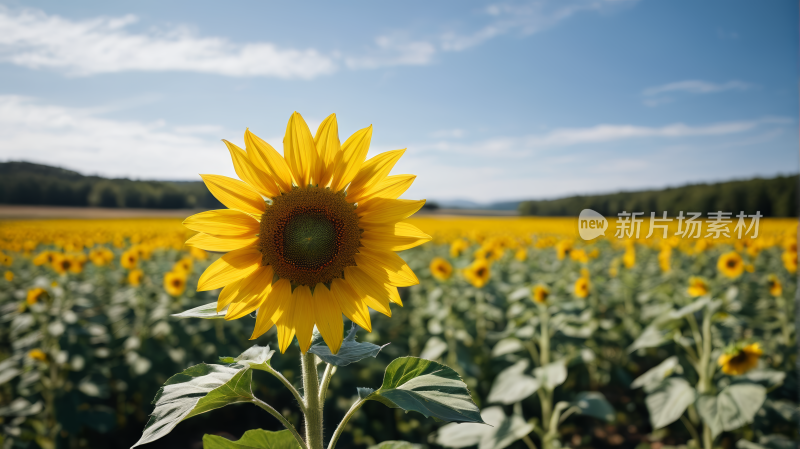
pixel 739 359
pixel 309 235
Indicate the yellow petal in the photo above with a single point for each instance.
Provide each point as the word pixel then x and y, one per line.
pixel 375 293
pixel 397 237
pixel 328 317
pixel 227 295
pixel 384 273
pixel 263 156
pixel 372 172
pixel 351 304
pixel 220 244
pixel 327 143
pixel 248 172
pixel 265 318
pixel 235 194
pixel 383 210
pixel 285 314
pixel 349 160
pixel 299 150
pixel 303 316
pixel 223 222
pixel 229 268
pixel 389 187
pixel 252 292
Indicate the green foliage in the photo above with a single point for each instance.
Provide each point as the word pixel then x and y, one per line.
pixel 35 184
pixel 775 197
pixel 735 406
pixel 351 350
pixel 253 439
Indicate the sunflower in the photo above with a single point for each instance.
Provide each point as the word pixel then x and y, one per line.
pixel 697 287
pixel 62 263
pixel 521 255
pixel 198 253
pixel 175 282
pixel 9 276
pixel 135 277
pixel 129 259
pixel 775 287
pixel 183 266
pixel 540 294
pixel 309 235
pixel 629 258
pixel 664 257
pixel 478 273
pixel 457 247
pixel 563 248
pixel 37 354
pixel 579 255
pixel 582 287
pixel 441 269
pixel 790 261
pixel 34 295
pixel 739 359
pixel 731 264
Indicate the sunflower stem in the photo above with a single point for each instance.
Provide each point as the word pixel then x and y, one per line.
pixel 330 370
pixel 313 405
pixel 282 419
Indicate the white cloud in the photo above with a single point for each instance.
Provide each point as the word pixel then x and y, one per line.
pixel 456 133
pixel 561 137
pixel 82 140
pixel 33 39
pixel 526 18
pixel 392 51
pixel 654 96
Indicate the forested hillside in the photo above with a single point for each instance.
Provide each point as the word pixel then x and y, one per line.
pixel 774 197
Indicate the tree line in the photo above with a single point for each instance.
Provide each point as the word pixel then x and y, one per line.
pixel 35 184
pixel 773 197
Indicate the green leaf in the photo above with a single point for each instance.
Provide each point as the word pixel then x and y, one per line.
pixel 650 337
pixel 396 445
pixel 203 388
pixel 734 407
pixel 654 376
pixel 767 377
pixel 427 387
pixel 21 407
pixel 667 403
pixel 551 375
pixel 501 432
pixel 207 311
pixel 433 349
pixel 350 352
pixel 513 385
pixel 593 403
pixel 253 439
pixel 690 309
pixel 507 346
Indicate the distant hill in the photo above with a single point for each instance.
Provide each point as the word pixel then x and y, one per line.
pixel 774 197
pixel 37 184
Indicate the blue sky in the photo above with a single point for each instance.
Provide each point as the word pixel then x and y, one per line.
pixel 494 100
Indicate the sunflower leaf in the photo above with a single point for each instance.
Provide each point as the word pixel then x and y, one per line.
pixel 253 439
pixel 202 388
pixel 207 311
pixel 668 402
pixel 351 351
pixel 501 432
pixel 427 387
pixel 734 407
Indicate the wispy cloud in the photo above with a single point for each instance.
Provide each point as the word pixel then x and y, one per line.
pixel 653 96
pixel 525 18
pixel 33 39
pixel 393 51
pixel 599 134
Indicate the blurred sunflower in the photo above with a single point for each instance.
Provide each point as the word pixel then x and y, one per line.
pixel 629 258
pixel 129 259
pixel 739 359
pixel 309 235
pixel 175 283
pixel 563 248
pixel 62 263
pixel 458 246
pixel 582 287
pixel 34 295
pixel 9 276
pixel 37 354
pixel 697 287
pixel 540 294
pixel 731 264
pixel 184 265
pixel 478 273
pixel 135 277
pixel 521 255
pixel 775 287
pixel 790 261
pixel 198 253
pixel 441 269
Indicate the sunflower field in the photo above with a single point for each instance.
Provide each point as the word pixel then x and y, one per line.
pixel 624 343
